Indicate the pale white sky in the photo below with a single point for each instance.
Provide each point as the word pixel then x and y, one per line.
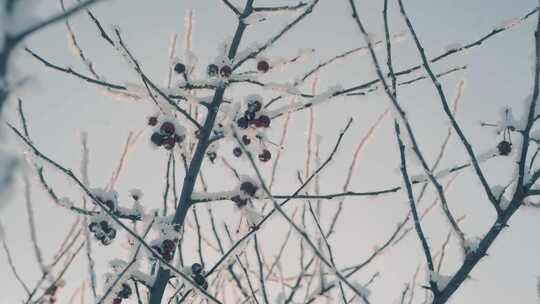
pixel 59 107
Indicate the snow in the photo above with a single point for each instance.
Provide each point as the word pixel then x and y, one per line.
pixel 440 280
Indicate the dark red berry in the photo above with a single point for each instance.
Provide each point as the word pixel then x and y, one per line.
pixel 196 268
pixel 237 151
pixel 157 139
pixel 167 128
pixel 168 143
pixel 242 122
pixel 212 70
pixel 152 121
pixel 263 66
pixel 117 301
pixel 262 122
pixel 168 245
pixel 179 68
pixel 246 140
pixel 504 148
pixel 249 188
pixel 225 71
pixel 265 156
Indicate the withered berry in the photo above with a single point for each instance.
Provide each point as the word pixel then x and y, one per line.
pixel 265 156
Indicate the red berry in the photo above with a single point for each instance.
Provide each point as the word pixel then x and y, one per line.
pixel 225 71
pixel 167 128
pixel 262 122
pixel 168 143
pixel 168 245
pixel 246 140
pixel 237 151
pixel 152 121
pixel 157 139
pixel 263 66
pixel 265 156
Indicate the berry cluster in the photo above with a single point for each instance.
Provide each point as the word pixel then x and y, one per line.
pixel 247 190
pixel 197 274
pixel 253 118
pixel 224 71
pixel 166 250
pixel 103 232
pixel 124 293
pixel 167 134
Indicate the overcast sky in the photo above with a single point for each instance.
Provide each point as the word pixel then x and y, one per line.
pixel 499 74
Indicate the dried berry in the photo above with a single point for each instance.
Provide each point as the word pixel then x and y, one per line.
pixel 167 128
pixel 211 156
pixel 237 151
pixel 263 66
pixel 225 71
pixel 179 68
pixel 246 140
pixel 152 121
pixel 212 70
pixel 265 156
pixel 262 122
pixel 504 148
pixel 117 301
